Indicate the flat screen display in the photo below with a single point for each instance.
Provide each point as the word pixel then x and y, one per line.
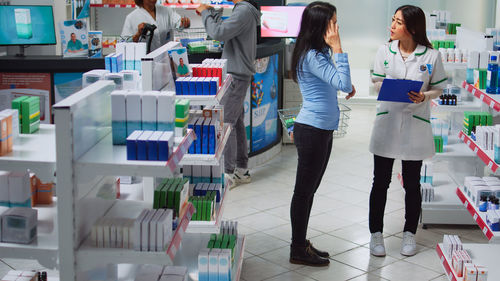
pixel 27 25
pixel 280 21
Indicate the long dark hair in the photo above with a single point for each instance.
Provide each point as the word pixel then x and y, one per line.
pixel 414 19
pixel 315 22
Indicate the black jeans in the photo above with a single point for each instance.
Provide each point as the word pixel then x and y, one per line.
pixel 313 148
pixel 382 173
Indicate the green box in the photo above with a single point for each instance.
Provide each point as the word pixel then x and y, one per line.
pixel 181 108
pixel 30 109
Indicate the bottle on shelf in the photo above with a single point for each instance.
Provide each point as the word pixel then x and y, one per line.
pixel 492 80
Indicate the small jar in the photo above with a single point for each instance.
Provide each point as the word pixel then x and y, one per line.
pixel 483 203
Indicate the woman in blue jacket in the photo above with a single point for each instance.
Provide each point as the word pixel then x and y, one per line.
pixel 319 78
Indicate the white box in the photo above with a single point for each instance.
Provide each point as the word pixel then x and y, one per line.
pixel 224 264
pixel 19 187
pixel 153 229
pixel 117 78
pixel 130 79
pixel 129 56
pixel 166 111
pixel 140 52
pixel 145 230
pixel 134 114
pixel 165 227
pixel 106 229
pixel 149 110
pixel 4 188
pixel 113 233
pixel 213 264
pixel 138 229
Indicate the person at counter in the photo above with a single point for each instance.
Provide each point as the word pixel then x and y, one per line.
pixel 239 32
pixel 165 19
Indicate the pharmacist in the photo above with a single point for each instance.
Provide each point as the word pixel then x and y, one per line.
pixel 403 130
pixel 165 19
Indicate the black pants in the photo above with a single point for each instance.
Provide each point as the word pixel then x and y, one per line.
pixel 313 148
pixel 382 174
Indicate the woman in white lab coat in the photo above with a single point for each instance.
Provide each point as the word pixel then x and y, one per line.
pixel 165 19
pixel 403 130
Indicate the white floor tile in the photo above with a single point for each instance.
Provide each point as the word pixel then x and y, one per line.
pixel 356 233
pixel 331 244
pixel 361 259
pixel 328 222
pixel 334 272
pixel 281 257
pixel 284 232
pixel 368 277
pixel 290 276
pixel 262 221
pixel 402 270
pixel 427 259
pixel 260 243
pixel 256 268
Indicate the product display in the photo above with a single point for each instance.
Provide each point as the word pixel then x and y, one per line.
pixel 17 275
pixel 150 145
pixel 181 117
pixel 215 262
pixel 171 193
pixel 19 225
pixel 162 273
pixel 131 54
pixel 29 113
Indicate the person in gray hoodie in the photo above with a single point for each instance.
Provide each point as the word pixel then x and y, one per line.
pixel 239 33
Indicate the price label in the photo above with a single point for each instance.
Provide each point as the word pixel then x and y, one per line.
pixel 492 103
pixel 468 142
pixel 466 203
pixel 485 229
pixel 476 149
pixel 490 164
pixel 475 216
pixel 481 97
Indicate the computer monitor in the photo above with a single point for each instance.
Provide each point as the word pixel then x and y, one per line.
pixel 280 21
pixel 26 25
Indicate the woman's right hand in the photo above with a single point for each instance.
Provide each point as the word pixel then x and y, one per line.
pixel 332 37
pixel 136 36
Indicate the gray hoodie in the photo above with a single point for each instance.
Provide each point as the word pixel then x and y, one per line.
pixel 239 33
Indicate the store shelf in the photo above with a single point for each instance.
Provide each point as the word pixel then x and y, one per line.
pixel 446 207
pixel 479 217
pixel 461 107
pixel 108 159
pixel 45 247
pixel 481 254
pixel 455 148
pixel 180 6
pixel 209 226
pixel 492 101
pixel 208 159
pixel 454 65
pixel 485 156
pixel 89 257
pixel 36 152
pixel 209 100
pixel 194 242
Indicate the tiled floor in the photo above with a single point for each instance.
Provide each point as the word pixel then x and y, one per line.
pixel 339 219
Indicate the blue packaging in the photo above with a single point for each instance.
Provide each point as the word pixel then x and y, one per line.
pixel 191 149
pixel 114 64
pixel 205 129
pixel 199 85
pixel 142 145
pixel 470 76
pixel 107 62
pixel 178 86
pixel 492 80
pixel 132 145
pixel 211 137
pixel 119 62
pixel 192 86
pixel 153 145
pixel 198 131
pixel 214 83
pixel 164 145
pixel 185 86
pixel 206 85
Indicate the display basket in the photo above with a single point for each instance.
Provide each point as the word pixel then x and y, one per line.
pixel 288 115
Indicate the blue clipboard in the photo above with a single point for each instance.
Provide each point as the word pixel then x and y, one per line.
pixel 397 90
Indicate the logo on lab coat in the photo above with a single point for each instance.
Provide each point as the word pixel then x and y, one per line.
pixel 429 67
pixel 423 68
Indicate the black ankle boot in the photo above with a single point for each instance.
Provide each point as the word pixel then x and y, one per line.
pixel 322 254
pixel 306 256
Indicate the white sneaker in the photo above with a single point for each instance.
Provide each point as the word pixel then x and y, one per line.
pixel 230 181
pixel 408 246
pixel 377 247
pixel 242 175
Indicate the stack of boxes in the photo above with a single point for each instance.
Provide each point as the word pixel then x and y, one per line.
pixel 124 80
pixel 113 233
pixel 461 261
pixel 132 110
pixel 23 190
pixel 152 272
pixel 201 189
pixel 215 262
pixel 458 259
pixel 152 230
pixel 131 55
pixel 29 113
pixel 204 206
pixel 203 174
pixel 427 191
pixel 473 119
pixel 197 86
pixel 150 145
pixel 181 117
pixel 206 128
pixel 171 193
pixel 438 144
pixel 426 173
pixel 211 68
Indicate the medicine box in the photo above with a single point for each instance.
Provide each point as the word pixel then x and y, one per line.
pixel 19 225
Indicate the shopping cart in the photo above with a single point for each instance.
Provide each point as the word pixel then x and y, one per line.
pixel 288 115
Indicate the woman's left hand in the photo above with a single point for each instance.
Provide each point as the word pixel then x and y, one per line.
pixel 351 94
pixel 416 97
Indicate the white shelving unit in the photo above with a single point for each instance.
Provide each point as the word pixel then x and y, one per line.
pixel 209 159
pixel 36 152
pixel 455 148
pixel 481 254
pixel 83 124
pixel 493 101
pixel 473 105
pixel 479 217
pixel 209 226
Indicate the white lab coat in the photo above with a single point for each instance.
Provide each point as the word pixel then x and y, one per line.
pixel 403 130
pixel 166 20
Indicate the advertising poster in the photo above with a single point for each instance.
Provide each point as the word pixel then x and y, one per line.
pixel 14 85
pixel 264 95
pixel 246 117
pixel 74 38
pixel 66 84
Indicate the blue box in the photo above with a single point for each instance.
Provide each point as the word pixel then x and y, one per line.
pixel 192 86
pixel 178 86
pixel 185 86
pixel 191 149
pixel 212 137
pixel 153 145
pixel 198 131
pixel 165 144
pixel 214 85
pixel 119 62
pixel 199 85
pixel 114 64
pixel 206 85
pixel 132 145
pixel 205 129
pixel 107 62
pixel 142 145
